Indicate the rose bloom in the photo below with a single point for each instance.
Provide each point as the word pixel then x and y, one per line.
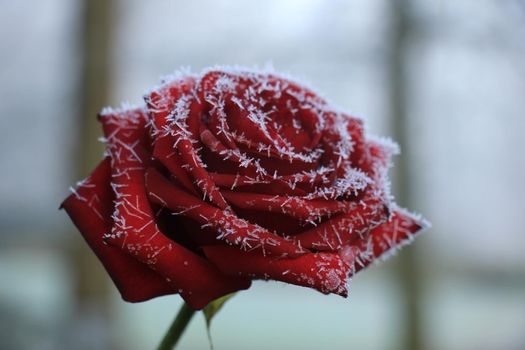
pixel 235 175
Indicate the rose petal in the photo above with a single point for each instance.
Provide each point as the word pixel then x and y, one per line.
pixel 90 207
pixel 169 157
pixel 299 184
pixel 384 240
pixel 296 207
pixel 254 185
pixel 346 228
pixel 325 272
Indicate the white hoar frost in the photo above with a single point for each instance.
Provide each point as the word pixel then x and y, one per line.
pixel 352 182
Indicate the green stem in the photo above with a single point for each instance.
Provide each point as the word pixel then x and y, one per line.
pixel 176 329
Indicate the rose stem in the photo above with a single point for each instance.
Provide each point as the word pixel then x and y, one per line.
pixel 176 329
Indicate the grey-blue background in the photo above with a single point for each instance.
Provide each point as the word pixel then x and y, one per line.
pixel 464 84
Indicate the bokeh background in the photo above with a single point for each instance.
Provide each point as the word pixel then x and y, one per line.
pixel 444 78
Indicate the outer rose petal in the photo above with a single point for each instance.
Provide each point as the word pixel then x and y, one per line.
pixel 90 207
pixel 326 272
pixel 384 240
pixel 345 228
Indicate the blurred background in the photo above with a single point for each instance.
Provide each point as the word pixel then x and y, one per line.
pixel 444 78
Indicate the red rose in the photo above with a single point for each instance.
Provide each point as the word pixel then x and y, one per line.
pixel 233 176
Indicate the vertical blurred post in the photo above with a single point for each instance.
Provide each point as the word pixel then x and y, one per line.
pixel 95 81
pixel 91 289
pixel 408 266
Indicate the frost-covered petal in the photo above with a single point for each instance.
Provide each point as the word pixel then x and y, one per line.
pixel 293 206
pixel 254 185
pixel 345 228
pixel 170 158
pixel 384 240
pixel 326 272
pixel 90 207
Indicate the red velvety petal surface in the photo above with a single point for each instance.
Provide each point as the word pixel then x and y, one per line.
pixel 326 272
pixel 384 240
pixel 90 208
